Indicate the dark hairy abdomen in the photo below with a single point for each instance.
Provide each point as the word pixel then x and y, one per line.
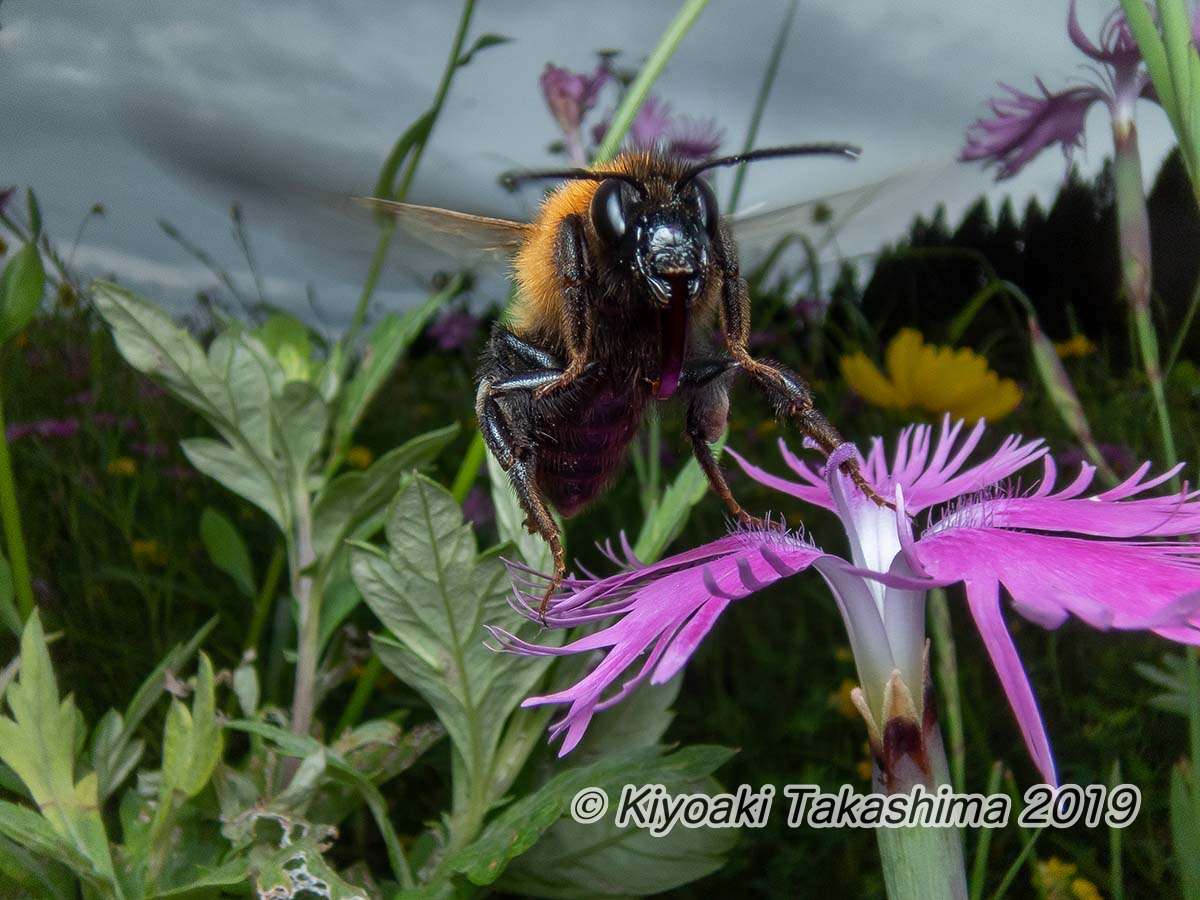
pixel 581 449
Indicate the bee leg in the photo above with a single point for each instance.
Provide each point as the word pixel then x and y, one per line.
pixel 707 388
pixel 530 354
pixel 518 458
pixel 574 269
pixel 789 392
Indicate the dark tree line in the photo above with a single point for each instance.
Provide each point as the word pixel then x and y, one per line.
pixel 1064 258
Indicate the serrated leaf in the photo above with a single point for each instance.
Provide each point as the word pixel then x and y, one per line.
pixel 245 477
pixel 233 873
pixel 304 783
pixel 38 743
pixel 114 756
pixel 434 592
pixel 354 498
pixel 388 341
pixel 226 549
pixel 481 43
pixel 521 825
pixel 192 739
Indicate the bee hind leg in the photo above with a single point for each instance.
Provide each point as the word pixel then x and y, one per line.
pixel 518 457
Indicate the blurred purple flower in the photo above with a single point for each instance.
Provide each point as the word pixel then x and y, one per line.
pixel 42 428
pixel 105 419
pixel 811 310
pixel 180 472
pixel 5 195
pixel 570 95
pixel 150 450
pixel 1057 553
pixel 477 507
pixel 83 398
pixel 761 340
pixel 454 329
pixel 1023 125
pixel 655 126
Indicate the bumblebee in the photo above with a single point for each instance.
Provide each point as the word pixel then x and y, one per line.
pixel 629 293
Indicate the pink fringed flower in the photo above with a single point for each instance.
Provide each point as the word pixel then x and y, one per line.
pixel 1023 125
pixel 1056 552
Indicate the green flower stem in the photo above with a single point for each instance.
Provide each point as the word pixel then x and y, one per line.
pixel 1133 227
pixel 10 516
pixel 947 669
pixel 266 597
pixel 468 470
pixel 760 104
pixel 308 611
pixel 388 228
pixel 653 67
pixel 922 863
pixel 362 693
pixel 622 119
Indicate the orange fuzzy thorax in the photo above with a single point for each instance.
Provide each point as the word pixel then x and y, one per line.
pixel 539 308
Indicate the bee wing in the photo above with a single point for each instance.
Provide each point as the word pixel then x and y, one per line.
pixel 890 204
pixel 466 237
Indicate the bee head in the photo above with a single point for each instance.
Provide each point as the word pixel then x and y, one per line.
pixel 665 239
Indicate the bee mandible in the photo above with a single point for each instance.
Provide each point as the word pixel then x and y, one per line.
pixel 628 293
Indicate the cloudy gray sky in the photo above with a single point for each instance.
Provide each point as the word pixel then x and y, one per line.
pixel 175 109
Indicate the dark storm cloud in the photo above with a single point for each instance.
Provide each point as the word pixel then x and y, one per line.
pixel 176 110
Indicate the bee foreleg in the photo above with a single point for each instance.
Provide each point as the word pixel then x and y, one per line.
pixel 789 392
pixel 573 266
pixel 706 418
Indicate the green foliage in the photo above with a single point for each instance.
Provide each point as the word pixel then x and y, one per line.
pixel 22 284
pixel 226 549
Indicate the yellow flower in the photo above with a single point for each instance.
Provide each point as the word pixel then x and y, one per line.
pixel 1056 880
pixel 865 769
pixel 842 653
pixel 123 467
pixel 1076 346
pixel 937 379
pixel 360 457
pixel 150 552
pixel 840 699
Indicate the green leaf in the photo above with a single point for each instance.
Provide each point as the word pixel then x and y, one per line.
pixel 35 214
pixel 9 617
pixel 114 753
pixel 288 340
pixel 245 477
pixel 32 832
pixel 388 341
pixel 38 744
pixel 434 592
pixel 233 873
pixel 1185 833
pixel 227 550
pixel 293 871
pixel 356 497
pixel 341 598
pixel 21 288
pixel 523 823
pixel 667 521
pixel 303 746
pixel 192 740
pixel 413 136
pixel 25 874
pixel 300 419
pixel 481 43
pixel 246 687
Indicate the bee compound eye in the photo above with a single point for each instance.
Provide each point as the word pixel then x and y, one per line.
pixel 608 212
pixel 707 202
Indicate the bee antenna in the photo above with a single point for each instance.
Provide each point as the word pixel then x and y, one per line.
pixel 847 151
pixel 512 180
